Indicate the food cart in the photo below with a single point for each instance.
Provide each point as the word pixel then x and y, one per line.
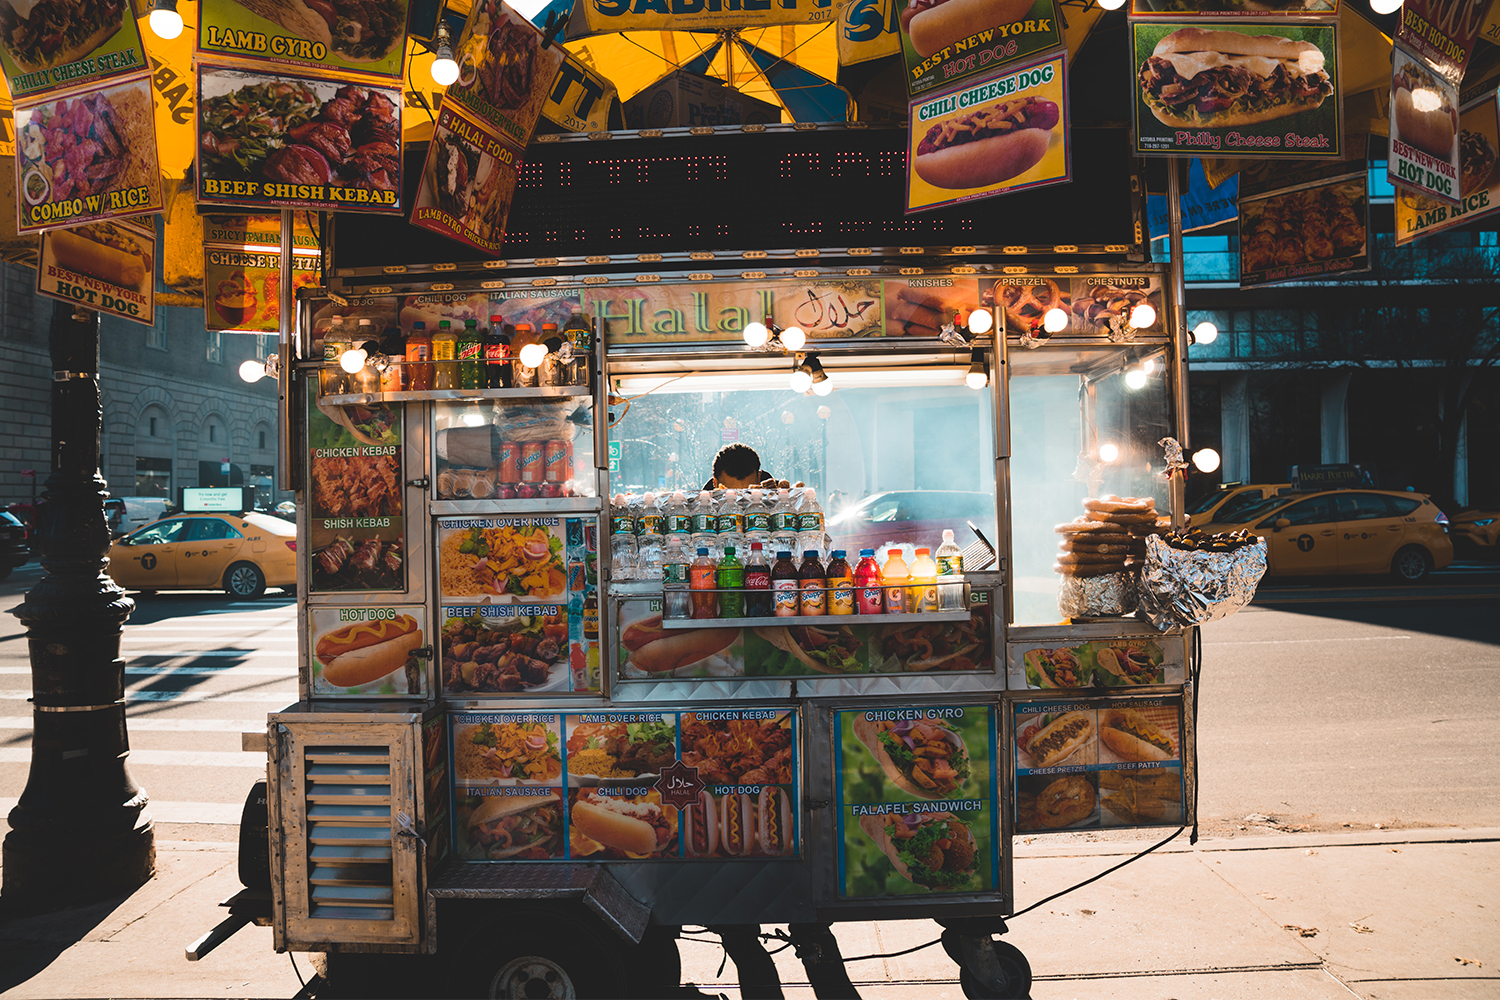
pixel 496 730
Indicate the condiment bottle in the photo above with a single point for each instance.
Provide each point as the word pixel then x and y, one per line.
pixel 868 598
pixel 445 357
pixel 840 585
pixel 731 577
pixel 812 583
pixel 784 586
pixel 924 592
pixel 895 575
pixel 701 583
pixel 757 583
pixel 419 358
pixel 391 380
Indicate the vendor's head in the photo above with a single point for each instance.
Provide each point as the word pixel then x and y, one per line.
pixel 736 467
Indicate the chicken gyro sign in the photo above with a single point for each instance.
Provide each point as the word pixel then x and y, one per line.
pixel 277 140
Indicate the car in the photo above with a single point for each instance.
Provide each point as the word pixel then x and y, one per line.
pixel 125 514
pixel 1348 532
pixel 912 518
pixel 14 550
pixel 1478 531
pixel 1231 498
pixel 242 553
pixel 26 514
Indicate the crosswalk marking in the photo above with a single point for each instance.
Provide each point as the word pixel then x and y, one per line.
pixel 216 813
pixel 256 697
pixel 163 758
pixel 155 725
pixel 185 670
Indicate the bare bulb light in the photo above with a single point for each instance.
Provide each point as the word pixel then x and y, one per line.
pixel 1205 333
pixel 1108 453
pixel 1055 320
pixel 1206 459
pixel 532 355
pixel 165 22
pixel 1111 4
pixel 822 388
pixel 801 380
pixel 1143 315
pixel 252 370
pixel 1149 366
pixel 1135 378
pixel 980 321
pixel 444 70
pixel 756 335
pixel 1385 6
pixel 793 338
pixel 353 360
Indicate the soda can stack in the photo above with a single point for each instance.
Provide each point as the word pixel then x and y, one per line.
pixel 557 466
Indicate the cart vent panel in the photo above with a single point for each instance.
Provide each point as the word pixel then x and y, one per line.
pixel 349 833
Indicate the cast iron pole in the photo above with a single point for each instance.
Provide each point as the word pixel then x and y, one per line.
pixel 80 830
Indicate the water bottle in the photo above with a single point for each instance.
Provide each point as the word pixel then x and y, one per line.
pixel 950 567
pixel 679 519
pixel 649 539
pixel 622 544
pixel 810 524
pixel 757 520
pixel 676 601
pixel 704 534
pixel 729 521
pixel 783 522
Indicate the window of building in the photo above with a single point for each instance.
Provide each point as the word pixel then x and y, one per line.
pixel 156 336
pixel 213 433
pixel 153 476
pixel 260 438
pixel 215 347
pixel 152 427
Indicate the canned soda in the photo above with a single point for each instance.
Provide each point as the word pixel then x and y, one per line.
pixel 550 490
pixel 510 462
pixel 556 466
pixel 530 462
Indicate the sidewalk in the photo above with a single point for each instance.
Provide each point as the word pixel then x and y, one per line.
pixel 1384 915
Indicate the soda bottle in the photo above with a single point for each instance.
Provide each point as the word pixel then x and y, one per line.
pixel 757 583
pixel 950 568
pixel 895 574
pixel 622 544
pixel 521 375
pixel 581 341
pixel 783 521
pixel 497 354
pixel 445 357
pixel 704 535
pixel 924 592
pixel 419 358
pixel 812 583
pixel 784 586
pixel 471 356
pixel 731 577
pixel 757 519
pixel 335 342
pixel 393 347
pixel 648 539
pixel 840 585
pixel 868 598
pixel 701 582
pixel 729 521
pixel 810 524
pixel 674 578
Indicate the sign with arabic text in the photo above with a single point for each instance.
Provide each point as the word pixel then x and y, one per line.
pixel 714 311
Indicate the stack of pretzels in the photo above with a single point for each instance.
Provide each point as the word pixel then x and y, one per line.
pixel 1108 538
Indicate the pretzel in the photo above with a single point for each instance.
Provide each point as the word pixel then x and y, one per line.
pixel 1082 524
pixel 1106 549
pixel 1081 558
pixel 1111 504
pixel 1103 518
pixel 1091 569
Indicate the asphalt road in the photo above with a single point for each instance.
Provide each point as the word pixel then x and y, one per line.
pixel 1324 705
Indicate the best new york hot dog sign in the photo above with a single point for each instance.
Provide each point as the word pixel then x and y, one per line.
pixel 1001 134
pixel 947 41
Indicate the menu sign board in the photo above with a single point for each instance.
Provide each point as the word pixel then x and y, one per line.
pixel 355 513
pixel 468 181
pixel 47 45
pixel 1424 129
pixel 106 266
pixel 505 74
pixel 1181 9
pixel 1478 180
pixel 990 137
pixel 242 270
pixel 1285 76
pixel 1098 763
pixel 519 604
pixel 87 157
pixel 368 651
pixel 1443 32
pixel 945 43
pixel 1102 663
pixel 1298 223
pixel 269 140
pixel 356 36
pixel 1096 304
pixel 918 801
pixel 696 15
pixel 625 786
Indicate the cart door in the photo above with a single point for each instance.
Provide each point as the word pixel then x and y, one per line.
pixel 349 875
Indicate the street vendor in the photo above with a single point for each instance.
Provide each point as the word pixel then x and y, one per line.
pixel 737 467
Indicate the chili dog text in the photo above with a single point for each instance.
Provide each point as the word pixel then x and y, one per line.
pixel 989 145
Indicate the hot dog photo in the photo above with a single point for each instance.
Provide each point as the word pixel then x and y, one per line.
pixel 1006 134
pixel 1424 151
pixel 740 824
pixel 945 41
pixel 368 651
pixel 111 259
pixel 1138 734
pixel 649 650
pixel 620 823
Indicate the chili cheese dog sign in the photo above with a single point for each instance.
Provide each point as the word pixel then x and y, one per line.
pixel 1007 133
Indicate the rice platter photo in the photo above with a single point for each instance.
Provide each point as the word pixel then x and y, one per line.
pixel 521 562
pixel 506 753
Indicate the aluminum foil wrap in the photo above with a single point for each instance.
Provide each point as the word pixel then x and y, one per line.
pixel 1191 586
pixel 1097 596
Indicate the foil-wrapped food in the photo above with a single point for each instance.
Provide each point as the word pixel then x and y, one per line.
pixel 1108 594
pixel 1190 586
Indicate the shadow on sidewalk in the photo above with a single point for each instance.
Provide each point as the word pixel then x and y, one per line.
pixel 31 941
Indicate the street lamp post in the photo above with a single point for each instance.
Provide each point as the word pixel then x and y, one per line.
pixel 80 830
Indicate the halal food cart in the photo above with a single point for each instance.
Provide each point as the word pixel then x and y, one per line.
pixel 496 722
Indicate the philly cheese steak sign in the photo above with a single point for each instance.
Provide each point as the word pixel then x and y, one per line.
pixel 48 45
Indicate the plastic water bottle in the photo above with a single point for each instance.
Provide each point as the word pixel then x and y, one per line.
pixel 783 522
pixel 810 534
pixel 704 534
pixel 676 601
pixel 622 543
pixel 679 521
pixel 649 539
pixel 729 521
pixel 757 520
pixel 950 567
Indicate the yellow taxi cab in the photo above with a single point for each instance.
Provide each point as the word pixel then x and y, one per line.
pixel 1478 529
pixel 242 553
pixel 1348 532
pixel 1222 504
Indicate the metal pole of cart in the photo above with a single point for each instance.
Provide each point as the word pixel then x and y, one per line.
pixel 1178 328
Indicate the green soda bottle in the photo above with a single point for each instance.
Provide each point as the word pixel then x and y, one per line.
pixel 731 581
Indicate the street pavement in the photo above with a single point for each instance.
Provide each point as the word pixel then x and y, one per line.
pixel 1351 822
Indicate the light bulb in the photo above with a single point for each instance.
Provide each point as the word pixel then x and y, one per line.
pixel 165 22
pixel 1143 315
pixel 472 418
pixel 980 321
pixel 793 338
pixel 1205 333
pixel 1149 366
pixel 1108 453
pixel 801 380
pixel 976 379
pixel 1206 459
pixel 1135 378
pixel 444 70
pixel 1055 320
pixel 823 388
pixel 353 360
pixel 1111 4
pixel 1385 6
pixel 756 334
pixel 252 370
pixel 532 355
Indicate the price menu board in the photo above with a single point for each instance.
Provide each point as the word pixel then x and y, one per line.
pixel 625 786
pixel 1098 763
pixel 918 801
pixel 368 651
pixel 356 517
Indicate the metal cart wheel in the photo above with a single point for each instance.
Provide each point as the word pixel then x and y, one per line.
pixel 996 972
pixel 552 959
